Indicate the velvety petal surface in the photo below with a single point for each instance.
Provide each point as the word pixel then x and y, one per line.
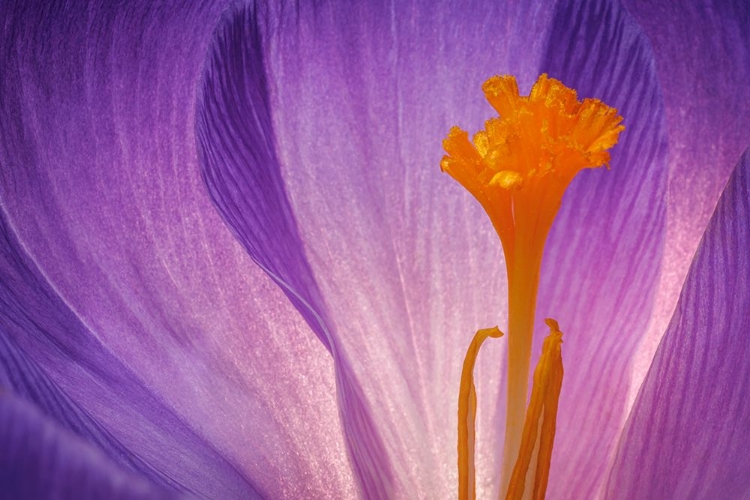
pixel 702 56
pixel 41 461
pixel 334 154
pixel 600 269
pixel 100 186
pixel 688 434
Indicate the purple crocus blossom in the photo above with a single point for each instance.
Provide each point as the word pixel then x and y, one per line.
pixel 231 268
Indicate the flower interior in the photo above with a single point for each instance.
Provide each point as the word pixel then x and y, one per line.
pixel 518 168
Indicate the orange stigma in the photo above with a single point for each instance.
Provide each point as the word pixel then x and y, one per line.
pixel 518 168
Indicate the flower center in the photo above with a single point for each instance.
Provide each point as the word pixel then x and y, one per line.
pixel 518 168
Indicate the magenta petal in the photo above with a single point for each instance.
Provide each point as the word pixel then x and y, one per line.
pixel 39 460
pixel 601 263
pixel 687 436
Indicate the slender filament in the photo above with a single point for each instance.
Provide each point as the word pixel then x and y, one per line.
pixel 467 413
pixel 541 418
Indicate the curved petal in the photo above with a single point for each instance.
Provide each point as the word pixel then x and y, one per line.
pixel 39 460
pixel 242 174
pixel 702 51
pixel 687 435
pixel 600 268
pixel 398 261
pixel 101 186
pixel 42 341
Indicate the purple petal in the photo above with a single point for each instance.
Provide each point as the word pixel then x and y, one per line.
pixel 600 268
pixel 397 262
pixel 687 436
pixel 702 64
pixel 100 184
pixel 392 263
pixel 41 461
pixel 42 342
pixel 243 176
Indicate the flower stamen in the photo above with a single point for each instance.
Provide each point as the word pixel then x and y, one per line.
pixel 467 414
pixel 541 418
pixel 518 168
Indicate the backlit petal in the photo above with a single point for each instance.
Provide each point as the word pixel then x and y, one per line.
pixel 701 55
pixel 101 186
pixel 601 265
pixel 687 436
pixel 404 266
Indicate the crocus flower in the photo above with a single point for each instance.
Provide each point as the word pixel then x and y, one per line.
pixel 231 267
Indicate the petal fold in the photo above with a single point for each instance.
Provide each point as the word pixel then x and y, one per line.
pixel 240 168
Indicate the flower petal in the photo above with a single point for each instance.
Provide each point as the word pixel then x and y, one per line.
pixel 51 359
pixel 156 435
pixel 101 186
pixel 338 96
pixel 701 59
pixel 395 259
pixel 39 460
pixel 243 176
pixel 687 434
pixel 600 269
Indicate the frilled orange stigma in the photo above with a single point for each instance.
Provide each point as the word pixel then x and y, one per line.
pixel 531 151
pixel 549 131
pixel 518 168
